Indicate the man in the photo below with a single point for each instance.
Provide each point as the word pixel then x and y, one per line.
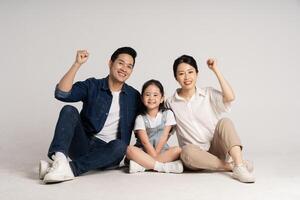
pixel 97 137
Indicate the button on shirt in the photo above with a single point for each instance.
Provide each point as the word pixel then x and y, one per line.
pixel 197 117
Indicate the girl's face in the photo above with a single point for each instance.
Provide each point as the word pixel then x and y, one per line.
pixel 186 76
pixel 152 97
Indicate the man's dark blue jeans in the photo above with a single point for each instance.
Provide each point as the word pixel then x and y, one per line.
pixel 87 152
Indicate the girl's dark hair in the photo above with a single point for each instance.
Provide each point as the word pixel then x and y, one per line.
pixel 143 109
pixel 184 59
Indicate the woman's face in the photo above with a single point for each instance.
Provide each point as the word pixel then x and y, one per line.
pixel 186 76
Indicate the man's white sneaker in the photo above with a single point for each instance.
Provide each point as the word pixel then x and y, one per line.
pixel 60 171
pixel 135 167
pixel 174 167
pixel 242 174
pixel 44 168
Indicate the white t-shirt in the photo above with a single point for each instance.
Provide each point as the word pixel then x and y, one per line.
pixel 197 118
pixel 154 122
pixel 110 128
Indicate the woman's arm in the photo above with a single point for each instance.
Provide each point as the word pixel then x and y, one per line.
pixel 228 94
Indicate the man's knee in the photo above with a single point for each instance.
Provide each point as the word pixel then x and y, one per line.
pixel 69 111
pixel 118 147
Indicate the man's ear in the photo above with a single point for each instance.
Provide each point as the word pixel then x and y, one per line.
pixel 110 62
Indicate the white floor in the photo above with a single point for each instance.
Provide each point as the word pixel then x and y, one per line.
pixel 278 177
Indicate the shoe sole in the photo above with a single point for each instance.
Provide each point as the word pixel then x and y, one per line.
pixel 247 181
pixel 58 180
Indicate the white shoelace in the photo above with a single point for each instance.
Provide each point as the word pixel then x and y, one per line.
pixel 54 166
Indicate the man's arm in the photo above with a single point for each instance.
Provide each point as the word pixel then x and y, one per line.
pixel 66 83
pixel 228 94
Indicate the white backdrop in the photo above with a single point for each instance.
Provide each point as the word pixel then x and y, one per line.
pixel 256 43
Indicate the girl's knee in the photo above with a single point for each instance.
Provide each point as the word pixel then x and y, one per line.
pixel 177 150
pixel 129 151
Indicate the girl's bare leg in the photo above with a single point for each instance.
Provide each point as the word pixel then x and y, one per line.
pixel 170 155
pixel 139 156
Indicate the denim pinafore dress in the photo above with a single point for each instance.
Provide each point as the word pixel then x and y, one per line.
pixel 154 134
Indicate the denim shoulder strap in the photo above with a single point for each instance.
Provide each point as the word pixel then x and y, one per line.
pixel 146 121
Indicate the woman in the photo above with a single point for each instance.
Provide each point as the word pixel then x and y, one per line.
pixel 207 140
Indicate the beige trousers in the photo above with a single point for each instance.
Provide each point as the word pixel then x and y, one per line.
pixel 225 137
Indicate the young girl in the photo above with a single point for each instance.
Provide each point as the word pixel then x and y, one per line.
pixel 152 129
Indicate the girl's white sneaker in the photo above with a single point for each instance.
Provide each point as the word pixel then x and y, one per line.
pixel 135 167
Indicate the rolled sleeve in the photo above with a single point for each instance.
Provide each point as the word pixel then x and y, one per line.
pixel 79 91
pixel 59 94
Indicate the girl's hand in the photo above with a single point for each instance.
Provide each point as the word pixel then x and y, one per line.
pixel 157 151
pixel 212 64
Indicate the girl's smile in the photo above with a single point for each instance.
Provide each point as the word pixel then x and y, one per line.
pixel 152 97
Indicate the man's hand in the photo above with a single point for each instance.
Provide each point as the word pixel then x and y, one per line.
pixel 212 64
pixel 81 57
pixel 65 84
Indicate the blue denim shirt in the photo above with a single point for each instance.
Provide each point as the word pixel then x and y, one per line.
pixel 97 98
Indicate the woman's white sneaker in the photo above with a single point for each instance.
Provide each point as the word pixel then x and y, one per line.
pixel 249 165
pixel 242 174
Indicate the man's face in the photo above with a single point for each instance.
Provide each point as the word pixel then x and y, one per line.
pixel 121 68
pixel 186 76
